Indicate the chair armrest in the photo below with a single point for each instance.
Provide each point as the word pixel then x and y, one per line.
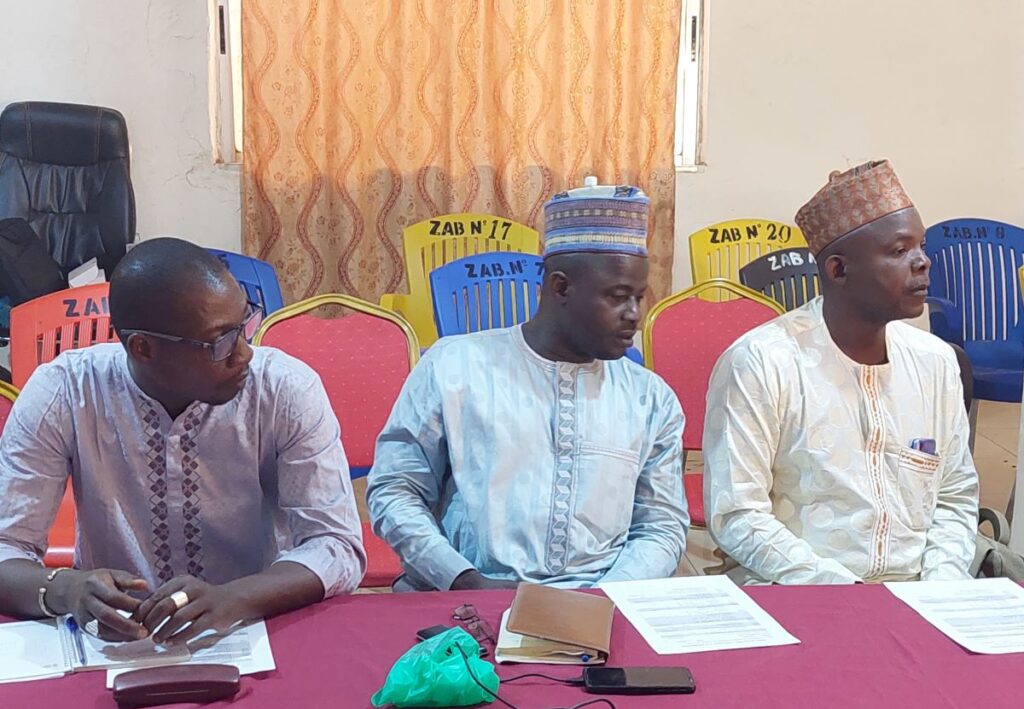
pixel 1000 527
pixel 944 320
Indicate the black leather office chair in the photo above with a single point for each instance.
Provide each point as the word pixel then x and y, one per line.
pixel 64 168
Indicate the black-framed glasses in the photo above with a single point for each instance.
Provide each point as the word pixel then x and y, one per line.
pixel 223 346
pixel 476 626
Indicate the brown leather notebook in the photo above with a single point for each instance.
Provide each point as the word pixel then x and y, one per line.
pixel 560 626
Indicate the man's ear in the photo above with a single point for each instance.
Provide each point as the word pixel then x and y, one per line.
pixel 560 285
pixel 834 266
pixel 139 347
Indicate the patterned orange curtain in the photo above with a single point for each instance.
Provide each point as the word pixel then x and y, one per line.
pixel 364 117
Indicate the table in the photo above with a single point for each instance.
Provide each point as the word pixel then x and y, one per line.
pixel 861 647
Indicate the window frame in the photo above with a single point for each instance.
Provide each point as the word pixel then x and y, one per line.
pixel 691 86
pixel 226 134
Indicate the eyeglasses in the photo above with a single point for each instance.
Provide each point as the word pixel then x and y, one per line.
pixel 476 626
pixel 223 346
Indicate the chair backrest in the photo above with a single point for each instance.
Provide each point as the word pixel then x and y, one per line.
pixel 486 291
pixel 789 276
pixel 257 278
pixel 362 358
pixel 432 243
pixel 67 173
pixel 8 394
pixel 44 327
pixel 722 249
pixel 685 334
pixel 974 265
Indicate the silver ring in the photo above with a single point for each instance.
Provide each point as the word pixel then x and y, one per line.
pixel 93 627
pixel 180 599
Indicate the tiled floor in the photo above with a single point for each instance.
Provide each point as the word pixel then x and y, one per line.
pixel 995 456
pixel 995 451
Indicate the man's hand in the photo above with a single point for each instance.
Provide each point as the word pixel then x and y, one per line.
pixel 474 580
pixel 98 594
pixel 209 607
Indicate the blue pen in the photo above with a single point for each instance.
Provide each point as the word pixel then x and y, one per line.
pixel 585 658
pixel 76 636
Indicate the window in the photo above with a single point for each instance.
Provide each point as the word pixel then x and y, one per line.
pixel 691 90
pixel 226 80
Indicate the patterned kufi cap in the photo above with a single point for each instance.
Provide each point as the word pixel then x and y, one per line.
pixel 850 200
pixel 597 218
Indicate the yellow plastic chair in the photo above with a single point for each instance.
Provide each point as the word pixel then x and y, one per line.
pixel 435 242
pixel 9 392
pixel 722 249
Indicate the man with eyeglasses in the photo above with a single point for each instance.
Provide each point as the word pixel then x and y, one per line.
pixel 209 478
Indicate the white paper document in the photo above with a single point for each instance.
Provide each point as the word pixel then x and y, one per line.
pixel 247 647
pixel 985 616
pixel 695 614
pixel 99 654
pixel 39 649
pixel 30 650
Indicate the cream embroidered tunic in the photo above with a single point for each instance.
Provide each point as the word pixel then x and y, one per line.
pixel 810 472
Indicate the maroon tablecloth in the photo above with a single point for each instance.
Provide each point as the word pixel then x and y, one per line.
pixel 861 647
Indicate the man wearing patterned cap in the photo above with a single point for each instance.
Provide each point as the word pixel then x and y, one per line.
pixel 538 453
pixel 836 444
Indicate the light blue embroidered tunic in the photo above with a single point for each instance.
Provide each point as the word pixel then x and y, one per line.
pixel 497 459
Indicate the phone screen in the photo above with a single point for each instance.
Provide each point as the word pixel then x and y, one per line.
pixel 640 678
pixel 430 632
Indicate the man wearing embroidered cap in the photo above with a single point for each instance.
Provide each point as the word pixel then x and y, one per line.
pixel 538 453
pixel 836 444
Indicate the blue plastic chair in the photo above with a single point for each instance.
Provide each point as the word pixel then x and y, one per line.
pixel 975 300
pixel 486 291
pixel 490 290
pixel 257 278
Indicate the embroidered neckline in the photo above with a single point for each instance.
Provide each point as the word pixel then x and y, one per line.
pixel 550 364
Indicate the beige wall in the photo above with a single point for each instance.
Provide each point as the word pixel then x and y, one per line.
pixel 148 60
pixel 796 88
pixel 801 87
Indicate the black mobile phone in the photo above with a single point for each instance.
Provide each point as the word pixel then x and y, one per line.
pixel 638 680
pixel 424 633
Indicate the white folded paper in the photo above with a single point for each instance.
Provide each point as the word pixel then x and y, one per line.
pixel 985 616
pixel 695 614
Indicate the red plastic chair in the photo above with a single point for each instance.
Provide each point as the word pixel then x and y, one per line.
pixel 61 550
pixel 684 335
pixel 363 359
pixel 41 329
pixel 44 327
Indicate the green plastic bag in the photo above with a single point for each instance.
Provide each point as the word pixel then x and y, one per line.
pixel 434 673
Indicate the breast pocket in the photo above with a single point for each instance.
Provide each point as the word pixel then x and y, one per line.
pixel 918 486
pixel 606 480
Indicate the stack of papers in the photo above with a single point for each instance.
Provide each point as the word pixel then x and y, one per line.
pixel 37 649
pixel 985 616
pixel 40 649
pixel 246 647
pixel 695 614
pixel 30 650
